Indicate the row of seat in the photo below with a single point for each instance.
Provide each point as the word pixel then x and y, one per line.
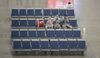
pixel 46 33
pixel 49 44
pixel 32 23
pixel 42 12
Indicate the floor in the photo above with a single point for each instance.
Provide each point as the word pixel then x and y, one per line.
pixel 89 24
pixel 90 32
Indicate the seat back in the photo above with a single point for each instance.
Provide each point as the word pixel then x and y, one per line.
pixel 76 33
pixel 44 44
pixel 32 34
pixel 46 12
pixel 54 44
pixel 15 23
pixel 62 12
pixel 17 45
pixel 70 12
pixel 23 34
pixel 54 12
pixel 23 23
pixel 14 12
pixel 22 12
pixel 35 45
pixel 68 33
pixel 26 45
pixel 15 34
pixel 73 23
pixel 50 33
pixel 32 23
pixel 59 33
pixel 41 33
pixel 30 12
pixel 38 12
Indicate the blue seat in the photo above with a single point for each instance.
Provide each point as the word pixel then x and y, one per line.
pixel 14 34
pixel 54 12
pixel 15 23
pixel 81 45
pixel 41 33
pixel 23 34
pixel 31 23
pixel 32 34
pixel 72 44
pixel 63 44
pixel 17 45
pixel 30 12
pixel 76 33
pixel 54 44
pixel 38 12
pixel 22 12
pixel 45 21
pixel 26 45
pixel 59 34
pixel 73 23
pixel 68 33
pixel 44 44
pixel 62 12
pixel 70 12
pixel 23 23
pixel 50 34
pixel 35 44
pixel 47 12
pixel 14 12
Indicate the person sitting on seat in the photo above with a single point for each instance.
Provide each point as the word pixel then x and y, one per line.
pixel 49 23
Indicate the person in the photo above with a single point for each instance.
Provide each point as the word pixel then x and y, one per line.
pixel 49 23
pixel 69 6
pixel 56 22
pixel 40 23
pixel 61 22
pixel 56 25
pixel 64 23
